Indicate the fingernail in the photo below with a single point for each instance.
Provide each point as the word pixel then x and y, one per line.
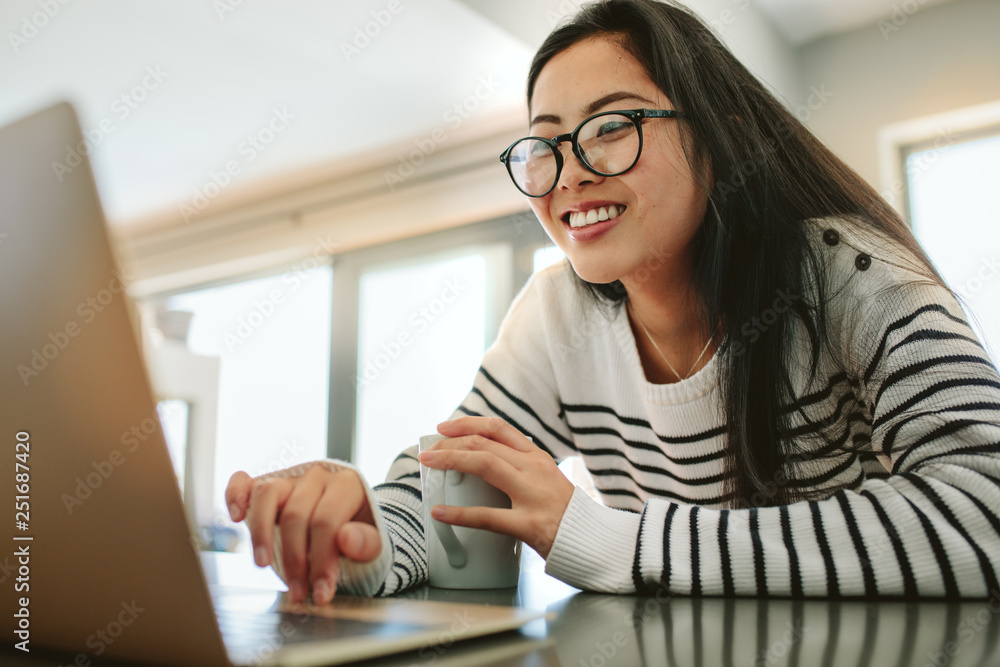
pixel 437 512
pixel 445 423
pixel 260 555
pixel 322 591
pixel 427 455
pixel 234 511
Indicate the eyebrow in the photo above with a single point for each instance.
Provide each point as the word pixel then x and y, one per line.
pixel 593 106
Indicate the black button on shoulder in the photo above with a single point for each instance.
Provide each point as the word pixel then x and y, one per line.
pixel 862 261
pixel 831 237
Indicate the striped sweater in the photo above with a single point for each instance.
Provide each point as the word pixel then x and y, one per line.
pixel 899 497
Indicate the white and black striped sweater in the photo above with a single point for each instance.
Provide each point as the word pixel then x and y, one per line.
pixel 903 501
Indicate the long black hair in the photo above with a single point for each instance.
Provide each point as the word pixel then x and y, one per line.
pixel 769 175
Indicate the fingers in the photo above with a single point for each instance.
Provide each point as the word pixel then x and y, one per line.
pixel 487 461
pixel 341 499
pixel 491 428
pixel 487 518
pixel 294 521
pixel 238 495
pixel 319 516
pixel 266 498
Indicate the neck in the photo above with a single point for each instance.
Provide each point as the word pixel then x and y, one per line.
pixel 669 308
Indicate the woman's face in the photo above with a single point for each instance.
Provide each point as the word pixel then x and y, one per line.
pixel 662 201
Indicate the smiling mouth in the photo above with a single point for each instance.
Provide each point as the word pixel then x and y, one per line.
pixel 577 219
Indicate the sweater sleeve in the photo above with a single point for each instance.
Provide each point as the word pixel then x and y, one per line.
pixel 929 528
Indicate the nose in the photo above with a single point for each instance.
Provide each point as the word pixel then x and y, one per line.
pixel 574 175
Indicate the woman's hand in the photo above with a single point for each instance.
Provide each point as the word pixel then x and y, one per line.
pixel 494 450
pixel 321 515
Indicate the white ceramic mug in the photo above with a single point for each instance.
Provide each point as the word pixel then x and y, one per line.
pixel 460 557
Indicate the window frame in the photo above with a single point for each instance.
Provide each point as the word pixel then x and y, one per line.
pixel 897 140
pixel 520 232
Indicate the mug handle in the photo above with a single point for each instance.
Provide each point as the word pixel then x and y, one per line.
pixel 457 555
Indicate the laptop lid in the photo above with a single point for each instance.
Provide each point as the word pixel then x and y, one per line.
pixel 102 547
pixel 101 560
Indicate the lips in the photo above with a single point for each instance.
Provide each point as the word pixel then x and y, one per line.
pixel 590 216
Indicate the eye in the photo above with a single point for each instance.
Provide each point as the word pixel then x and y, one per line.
pixel 609 128
pixel 540 150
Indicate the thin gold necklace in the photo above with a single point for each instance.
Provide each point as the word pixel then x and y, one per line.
pixel 663 356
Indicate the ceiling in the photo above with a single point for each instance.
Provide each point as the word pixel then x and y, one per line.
pixel 173 91
pixel 802 21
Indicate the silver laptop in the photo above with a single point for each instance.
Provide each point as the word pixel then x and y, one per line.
pixel 98 558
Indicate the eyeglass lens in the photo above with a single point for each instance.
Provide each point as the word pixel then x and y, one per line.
pixel 609 145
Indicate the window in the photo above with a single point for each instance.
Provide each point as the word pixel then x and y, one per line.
pixel 254 365
pixel 953 212
pixel 417 316
pixel 420 340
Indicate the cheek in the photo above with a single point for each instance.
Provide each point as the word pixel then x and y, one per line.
pixel 540 207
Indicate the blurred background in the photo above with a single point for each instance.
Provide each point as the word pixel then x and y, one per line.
pixel 308 205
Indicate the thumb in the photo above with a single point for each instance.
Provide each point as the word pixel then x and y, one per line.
pixel 359 541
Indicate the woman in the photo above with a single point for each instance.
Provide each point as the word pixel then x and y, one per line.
pixel 772 387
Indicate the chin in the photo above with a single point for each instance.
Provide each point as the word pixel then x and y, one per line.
pixel 593 274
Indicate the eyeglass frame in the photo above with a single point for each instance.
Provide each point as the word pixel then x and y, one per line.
pixel 635 115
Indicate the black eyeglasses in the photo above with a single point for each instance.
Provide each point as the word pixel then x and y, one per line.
pixel 608 144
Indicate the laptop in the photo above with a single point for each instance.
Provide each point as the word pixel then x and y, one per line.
pixel 98 559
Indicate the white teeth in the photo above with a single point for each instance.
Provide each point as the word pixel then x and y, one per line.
pixel 600 214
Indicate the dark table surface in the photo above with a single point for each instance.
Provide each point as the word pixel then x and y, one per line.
pixel 594 630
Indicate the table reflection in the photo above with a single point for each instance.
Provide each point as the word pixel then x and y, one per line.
pixel 599 630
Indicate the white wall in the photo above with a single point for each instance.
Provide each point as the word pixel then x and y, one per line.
pixel 939 59
pixel 756 43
